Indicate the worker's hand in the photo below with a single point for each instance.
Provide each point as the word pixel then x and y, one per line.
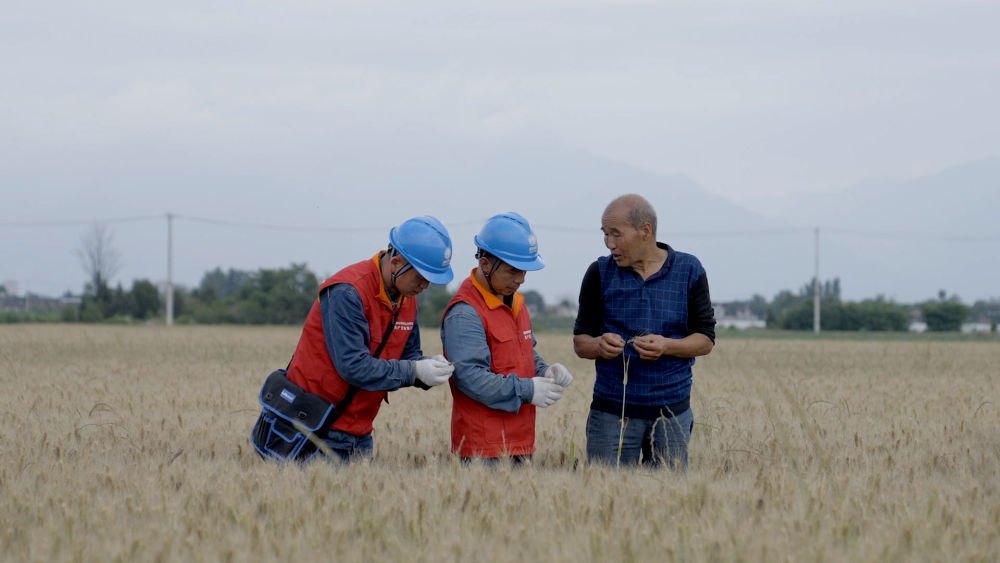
pixel 559 374
pixel 433 371
pixel 610 345
pixel 651 346
pixel 546 391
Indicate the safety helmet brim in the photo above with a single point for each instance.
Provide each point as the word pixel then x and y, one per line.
pixel 435 277
pixel 526 265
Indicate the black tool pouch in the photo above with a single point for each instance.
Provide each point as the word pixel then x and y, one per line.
pixel 288 418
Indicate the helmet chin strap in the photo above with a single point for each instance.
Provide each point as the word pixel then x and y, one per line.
pixel 507 299
pixel 393 275
pixel 489 275
pixel 400 272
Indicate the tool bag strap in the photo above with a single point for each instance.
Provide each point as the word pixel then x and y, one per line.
pixel 353 389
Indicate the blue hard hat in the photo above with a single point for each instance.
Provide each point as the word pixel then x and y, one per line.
pixel 509 237
pixel 426 245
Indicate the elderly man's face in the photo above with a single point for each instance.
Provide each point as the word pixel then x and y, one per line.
pixel 623 240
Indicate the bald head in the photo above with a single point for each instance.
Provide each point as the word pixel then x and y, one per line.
pixel 636 208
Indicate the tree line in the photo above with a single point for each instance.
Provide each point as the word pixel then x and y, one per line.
pixel 284 296
pixel 794 311
pixel 265 296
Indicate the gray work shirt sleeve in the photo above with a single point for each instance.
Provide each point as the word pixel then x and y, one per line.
pixel 540 365
pixel 464 341
pixel 346 330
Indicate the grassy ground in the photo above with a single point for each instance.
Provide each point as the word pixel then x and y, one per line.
pixel 130 443
pixel 906 336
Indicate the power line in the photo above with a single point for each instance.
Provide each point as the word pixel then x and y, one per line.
pixel 211 221
pixel 728 233
pixel 910 235
pixel 756 232
pixel 274 227
pixel 864 233
pixel 296 228
pixel 77 222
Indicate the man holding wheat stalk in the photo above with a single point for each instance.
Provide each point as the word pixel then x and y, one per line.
pixel 645 314
pixel 499 377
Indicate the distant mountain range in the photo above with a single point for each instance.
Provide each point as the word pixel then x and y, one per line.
pixel 961 200
pixel 885 238
pixel 910 238
pixel 903 239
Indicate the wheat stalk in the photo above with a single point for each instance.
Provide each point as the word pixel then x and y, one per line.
pixel 316 440
pixel 621 421
pixel 572 451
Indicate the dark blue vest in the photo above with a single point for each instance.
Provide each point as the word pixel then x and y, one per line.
pixel 633 307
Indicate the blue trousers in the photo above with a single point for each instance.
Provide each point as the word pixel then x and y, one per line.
pixel 652 442
pixel 349 447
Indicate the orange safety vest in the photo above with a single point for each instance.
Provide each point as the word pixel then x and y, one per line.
pixel 478 430
pixel 313 370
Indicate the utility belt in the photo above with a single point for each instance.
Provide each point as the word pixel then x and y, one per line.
pixel 290 417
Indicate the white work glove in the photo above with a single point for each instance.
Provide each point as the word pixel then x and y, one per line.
pixel 546 393
pixel 433 371
pixel 559 374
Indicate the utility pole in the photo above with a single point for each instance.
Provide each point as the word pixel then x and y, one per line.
pixel 170 269
pixel 816 288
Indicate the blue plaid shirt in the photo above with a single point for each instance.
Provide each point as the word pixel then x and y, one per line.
pixel 634 307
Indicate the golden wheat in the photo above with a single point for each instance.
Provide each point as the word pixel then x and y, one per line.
pixel 131 443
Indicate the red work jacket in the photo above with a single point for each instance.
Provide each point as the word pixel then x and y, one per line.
pixel 478 430
pixel 313 370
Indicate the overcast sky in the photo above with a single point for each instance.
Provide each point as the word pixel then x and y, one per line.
pixel 227 109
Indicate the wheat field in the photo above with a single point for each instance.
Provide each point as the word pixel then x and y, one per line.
pixel 131 443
